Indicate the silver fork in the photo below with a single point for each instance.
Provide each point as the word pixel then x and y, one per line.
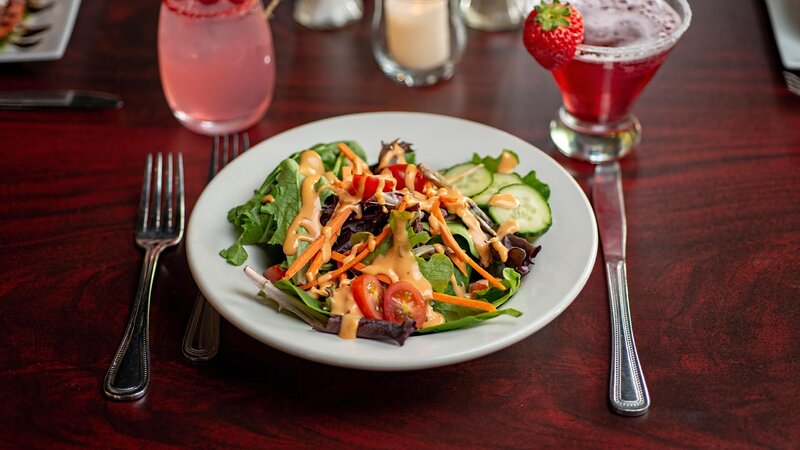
pixel 159 225
pixel 792 82
pixel 201 340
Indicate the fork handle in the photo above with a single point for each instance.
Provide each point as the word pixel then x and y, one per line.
pixel 627 388
pixel 201 340
pixel 128 377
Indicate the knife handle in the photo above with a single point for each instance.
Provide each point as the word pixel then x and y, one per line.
pixel 627 388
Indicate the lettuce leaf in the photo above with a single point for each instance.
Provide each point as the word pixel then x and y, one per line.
pixel 468 321
pixel 267 223
pixel 491 164
pixel 511 280
pixel 437 270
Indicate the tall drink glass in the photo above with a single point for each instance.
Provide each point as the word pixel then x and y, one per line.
pixel 217 63
pixel 625 42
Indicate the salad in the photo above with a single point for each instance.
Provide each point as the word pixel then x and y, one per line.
pixel 395 248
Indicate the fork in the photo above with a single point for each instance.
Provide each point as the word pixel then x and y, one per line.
pixel 201 340
pixel 159 225
pixel 792 82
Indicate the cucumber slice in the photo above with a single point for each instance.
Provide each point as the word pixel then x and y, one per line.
pixel 469 178
pixel 532 215
pixel 500 181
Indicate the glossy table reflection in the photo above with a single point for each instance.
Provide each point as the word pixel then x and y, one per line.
pixel 712 202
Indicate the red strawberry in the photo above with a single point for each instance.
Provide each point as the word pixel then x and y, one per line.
pixel 552 33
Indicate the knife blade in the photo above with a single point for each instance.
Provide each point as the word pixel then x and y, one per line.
pixel 627 388
pixel 58 99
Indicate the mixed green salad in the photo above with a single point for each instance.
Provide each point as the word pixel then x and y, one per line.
pixel 393 248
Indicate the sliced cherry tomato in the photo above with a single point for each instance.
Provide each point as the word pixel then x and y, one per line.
pixel 478 285
pixel 274 273
pixel 399 174
pixel 371 183
pixel 368 293
pixel 401 301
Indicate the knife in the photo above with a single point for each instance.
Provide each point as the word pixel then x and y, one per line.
pixel 627 388
pixel 58 99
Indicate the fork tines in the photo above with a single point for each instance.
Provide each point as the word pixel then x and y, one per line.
pixel 152 215
pixel 224 149
pixel 792 82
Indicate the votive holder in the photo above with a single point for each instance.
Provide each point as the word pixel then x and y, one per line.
pixel 418 42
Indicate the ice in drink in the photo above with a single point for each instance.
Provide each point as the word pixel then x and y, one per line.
pixel 216 61
pixel 625 42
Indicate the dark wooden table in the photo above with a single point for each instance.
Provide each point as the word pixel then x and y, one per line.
pixel 714 232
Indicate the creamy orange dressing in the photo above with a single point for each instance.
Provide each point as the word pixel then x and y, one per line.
pixel 399 264
pixel 343 304
pixel 411 177
pixel 460 292
pixel 507 163
pixel 395 152
pixel 268 199
pixel 510 226
pixel 308 216
pixel 474 227
pixel 508 201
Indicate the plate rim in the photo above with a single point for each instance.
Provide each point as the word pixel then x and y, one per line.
pixel 504 341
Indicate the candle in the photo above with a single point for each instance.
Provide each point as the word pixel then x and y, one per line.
pixel 417 32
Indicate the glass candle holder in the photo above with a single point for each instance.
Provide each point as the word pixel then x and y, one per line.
pixel 418 42
pixel 327 14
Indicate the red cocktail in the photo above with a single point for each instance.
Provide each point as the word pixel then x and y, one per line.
pixel 625 42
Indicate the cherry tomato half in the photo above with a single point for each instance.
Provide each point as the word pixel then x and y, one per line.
pixel 371 183
pixel 274 273
pixel 402 300
pixel 368 293
pixel 399 174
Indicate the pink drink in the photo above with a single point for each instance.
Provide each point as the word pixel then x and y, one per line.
pixel 217 63
pixel 625 42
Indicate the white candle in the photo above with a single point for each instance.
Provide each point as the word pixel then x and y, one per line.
pixel 418 32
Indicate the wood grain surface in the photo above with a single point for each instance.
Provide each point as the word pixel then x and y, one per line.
pixel 714 266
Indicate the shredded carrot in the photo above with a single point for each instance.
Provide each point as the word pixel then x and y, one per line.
pixel 451 242
pixel 335 224
pixel 458 262
pixel 358 163
pixel 468 302
pixel 346 266
pixel 336 256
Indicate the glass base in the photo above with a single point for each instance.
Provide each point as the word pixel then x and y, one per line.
pixel 593 142
pixel 211 128
pixel 412 77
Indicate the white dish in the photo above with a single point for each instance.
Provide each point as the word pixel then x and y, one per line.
pixel 61 18
pixel 785 17
pixel 559 273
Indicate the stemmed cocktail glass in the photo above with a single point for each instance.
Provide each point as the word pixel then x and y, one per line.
pixel 625 42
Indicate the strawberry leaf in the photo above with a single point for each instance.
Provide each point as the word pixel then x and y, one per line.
pixel 553 15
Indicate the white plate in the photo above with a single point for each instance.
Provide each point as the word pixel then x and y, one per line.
pixel 61 18
pixel 559 273
pixel 785 17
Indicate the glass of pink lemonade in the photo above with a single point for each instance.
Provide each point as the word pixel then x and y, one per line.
pixel 625 42
pixel 217 63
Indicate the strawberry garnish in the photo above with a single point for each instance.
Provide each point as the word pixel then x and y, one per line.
pixel 552 33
